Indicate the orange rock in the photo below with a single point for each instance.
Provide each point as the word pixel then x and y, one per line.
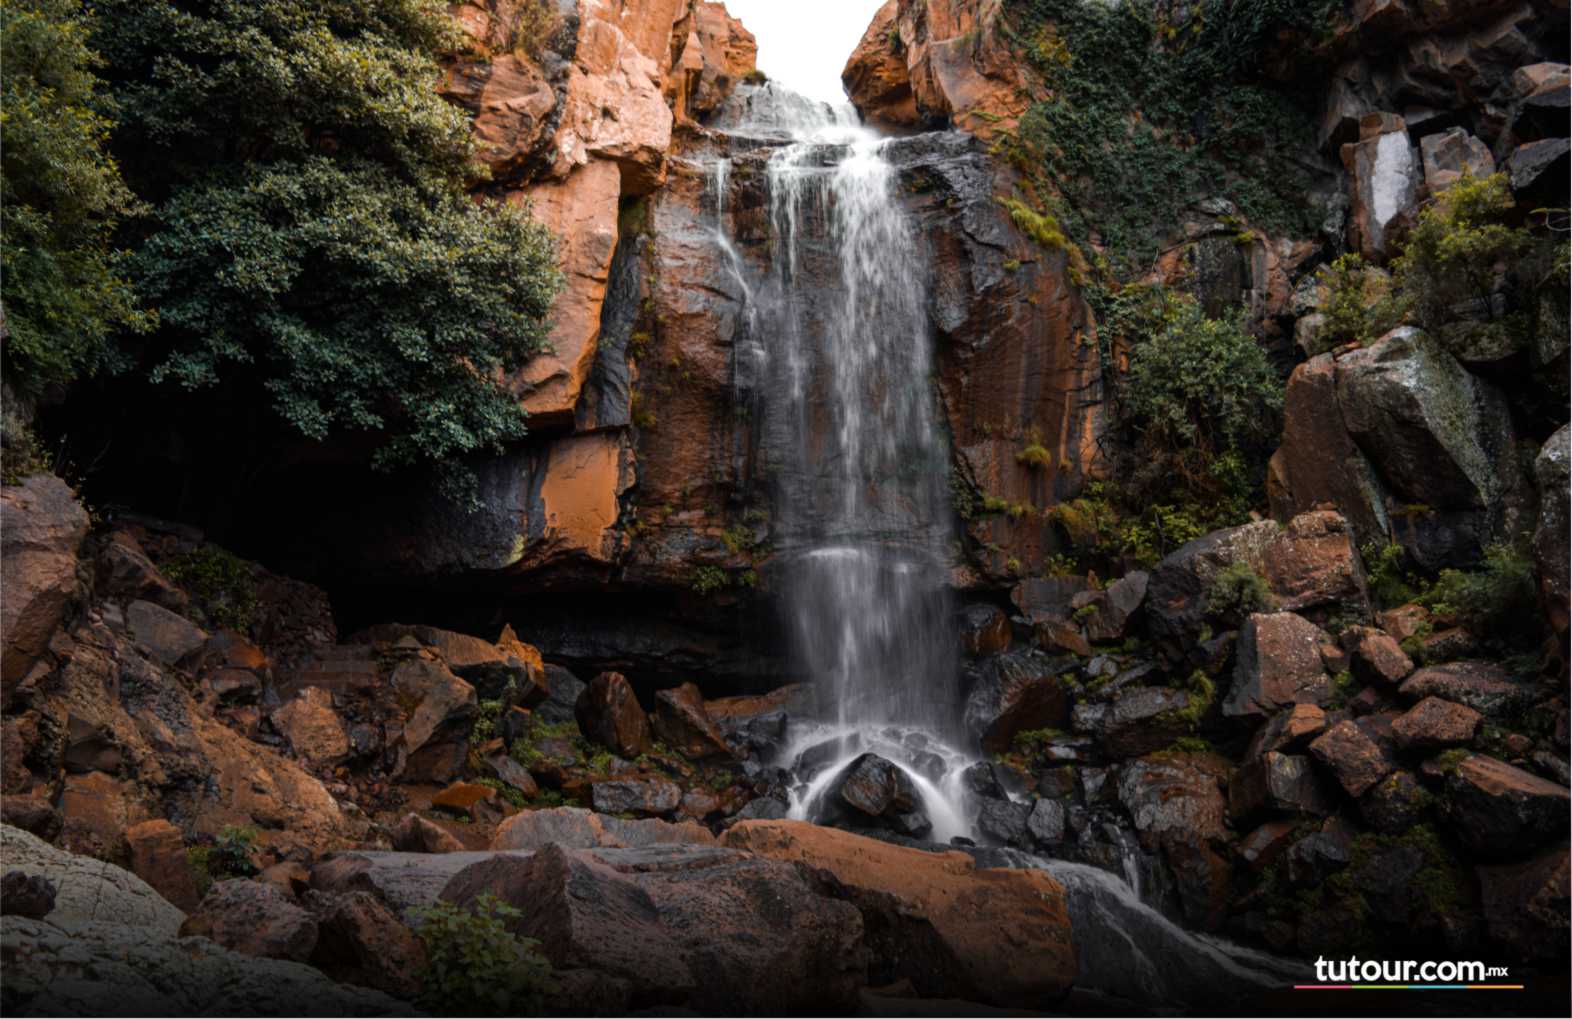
pixel 1009 930
pixel 158 856
pixel 716 53
pixel 43 526
pixel 96 810
pixel 877 78
pixel 462 797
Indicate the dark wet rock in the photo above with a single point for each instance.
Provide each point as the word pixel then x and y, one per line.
pixel 26 895
pixel 1046 823
pixel 361 941
pixel 1176 593
pixel 415 834
pixel 1483 686
pixel 979 780
pixel 1502 812
pixel 1279 663
pixel 875 788
pixel 1057 783
pixel 1357 761
pixel 609 713
pixel 1005 821
pixel 1138 721
pixel 649 797
pixel 1552 557
pixel 1525 906
pixel 714 930
pixel 1395 804
pixel 32 814
pixel 765 808
pixel 1261 848
pixel 1285 783
pixel 1117 608
pixel 1176 797
pixel 563 689
pixel 985 630
pixel 1014 693
pixel 1318 856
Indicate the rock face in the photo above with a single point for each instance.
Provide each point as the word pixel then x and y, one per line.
pixel 1005 933
pixel 1016 692
pixel 1399 422
pixel 712 929
pixel 1386 173
pixel 43 526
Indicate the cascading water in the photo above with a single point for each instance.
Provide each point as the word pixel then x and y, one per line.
pixel 846 369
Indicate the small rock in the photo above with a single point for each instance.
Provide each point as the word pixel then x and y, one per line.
pixel 168 636
pixel 415 834
pixel 29 895
pixel 1435 724
pixel 1354 758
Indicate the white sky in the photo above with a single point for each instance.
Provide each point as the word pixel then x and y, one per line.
pixel 804 44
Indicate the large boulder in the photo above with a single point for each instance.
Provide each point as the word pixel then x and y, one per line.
pixel 1435 724
pixel 642 797
pixel 577 828
pixel 361 941
pixel 608 712
pixel 120 968
pixel 1177 590
pixel 444 706
pixel 682 723
pixel 42 526
pixel 1279 663
pixel 89 890
pixel 1484 686
pixel 1501 812
pixel 1355 759
pixel 1006 933
pixel 1313 564
pixel 1138 720
pixel 1385 175
pixel 711 929
pixel 254 917
pixel 1283 783
pixel 872 790
pixel 1016 692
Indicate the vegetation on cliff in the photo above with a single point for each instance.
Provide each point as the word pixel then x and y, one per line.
pixel 305 233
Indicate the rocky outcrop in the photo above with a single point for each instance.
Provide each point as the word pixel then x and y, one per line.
pixel 939 62
pixel 44 525
pixel 1006 933
pixel 89 890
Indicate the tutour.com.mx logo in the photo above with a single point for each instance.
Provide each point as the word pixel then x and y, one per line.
pixel 1356 974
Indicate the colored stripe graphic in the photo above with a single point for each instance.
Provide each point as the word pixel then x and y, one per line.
pixel 1408 987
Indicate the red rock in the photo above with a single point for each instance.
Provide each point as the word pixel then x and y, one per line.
pixel 650 797
pixel 876 76
pixel 95 811
pixel 464 797
pixel 360 941
pixel 312 728
pixel 1354 758
pixel 256 918
pixel 1313 563
pixel 985 629
pixel 415 834
pixel 158 856
pixel 1281 782
pixel 1279 663
pixel 579 828
pixel 443 706
pixel 1318 462
pixel 1434 724
pixel 290 877
pixel 32 814
pixel 1483 686
pixel 513 774
pixel 1007 931
pixel 683 724
pixel 1290 729
pixel 609 713
pixel 1014 693
pixel 43 525
pixel 1262 846
pixel 1377 658
pixel 168 636
pixel 1061 635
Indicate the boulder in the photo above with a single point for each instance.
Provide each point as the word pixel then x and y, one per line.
pixel 1177 798
pixel 1483 686
pixel 168 636
pixel 682 723
pixel 361 941
pixel 509 670
pixel 1553 471
pixel 1377 656
pixel 1292 728
pixel 564 690
pixel 877 790
pixel 158 856
pixel 1525 906
pixel 1007 932
pixel 1279 663
pixel 405 882
pixel 876 77
pixel 1501 812
pixel 1451 154
pixel 1117 608
pixel 256 918
pixel 95 811
pixel 313 728
pixel 1313 564
pixel 42 526
pixel 609 713
pixel 138 971
pixel 1357 761
pixel 1005 822
pixel 577 828
pixel 1285 783
pixel 513 774
pixel 444 707
pixel 985 629
pixel 710 929
pixel 1177 589
pixel 1016 692
pixel 1046 823
pixel 1395 804
pixel 647 797
pixel 1139 720
pixel 1435 724
pixel 415 834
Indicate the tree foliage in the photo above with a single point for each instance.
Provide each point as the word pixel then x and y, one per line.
pixel 312 241
pixel 474 966
pixel 65 296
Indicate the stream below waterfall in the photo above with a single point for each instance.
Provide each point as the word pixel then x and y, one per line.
pixel 838 362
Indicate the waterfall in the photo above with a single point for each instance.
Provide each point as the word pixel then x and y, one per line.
pixel 845 368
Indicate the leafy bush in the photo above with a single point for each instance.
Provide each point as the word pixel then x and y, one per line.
pixel 474 966
pixel 313 246
pixel 62 196
pixel 1237 591
pixel 228 857
pixel 1499 599
pixel 1453 267
pixel 1359 304
pixel 222 586
pixel 1388 581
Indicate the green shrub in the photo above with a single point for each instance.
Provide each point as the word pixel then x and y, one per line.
pixel 1237 591
pixel 21 454
pixel 1359 305
pixel 474 966
pixel 1498 599
pixel 707 579
pixel 62 196
pixel 222 586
